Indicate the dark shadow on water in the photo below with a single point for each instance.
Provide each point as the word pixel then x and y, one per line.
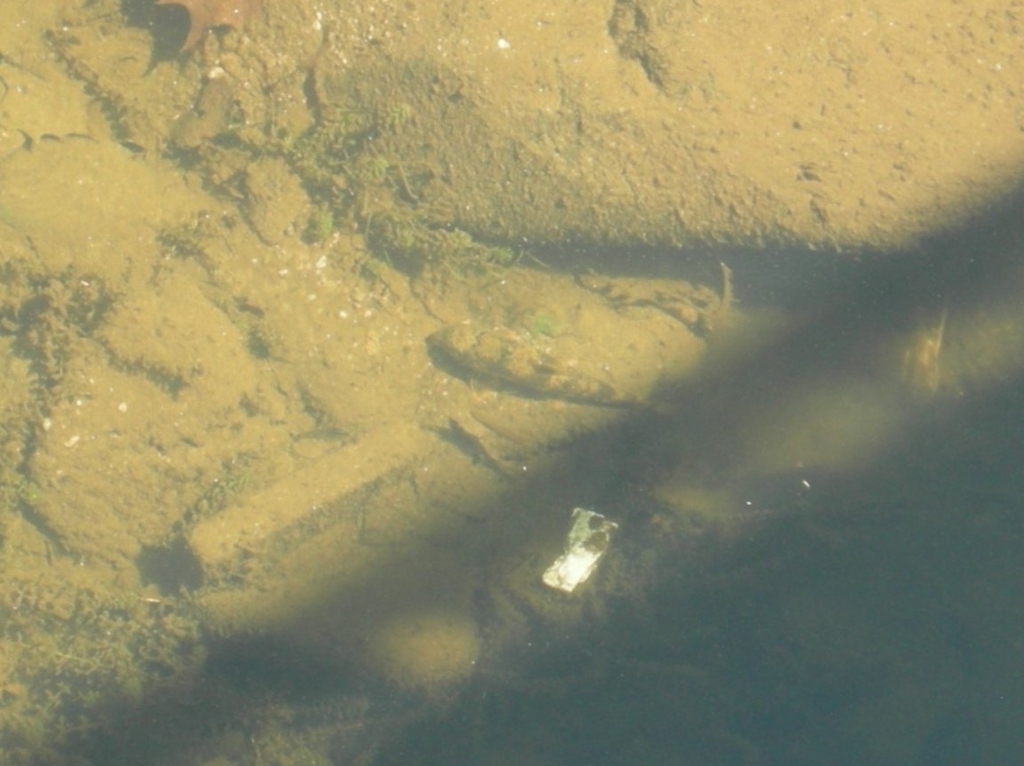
pixel 846 627
pixel 876 627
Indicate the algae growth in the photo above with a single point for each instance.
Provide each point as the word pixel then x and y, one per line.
pixel 231 464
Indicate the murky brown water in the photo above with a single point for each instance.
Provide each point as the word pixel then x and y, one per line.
pixel 297 396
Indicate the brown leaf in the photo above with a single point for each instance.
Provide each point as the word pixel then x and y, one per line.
pixel 204 15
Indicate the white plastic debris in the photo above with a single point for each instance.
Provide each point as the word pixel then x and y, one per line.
pixel 588 540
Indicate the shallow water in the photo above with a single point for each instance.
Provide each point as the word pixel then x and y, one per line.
pixel 250 514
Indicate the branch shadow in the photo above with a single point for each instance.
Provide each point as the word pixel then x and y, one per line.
pixel 726 654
